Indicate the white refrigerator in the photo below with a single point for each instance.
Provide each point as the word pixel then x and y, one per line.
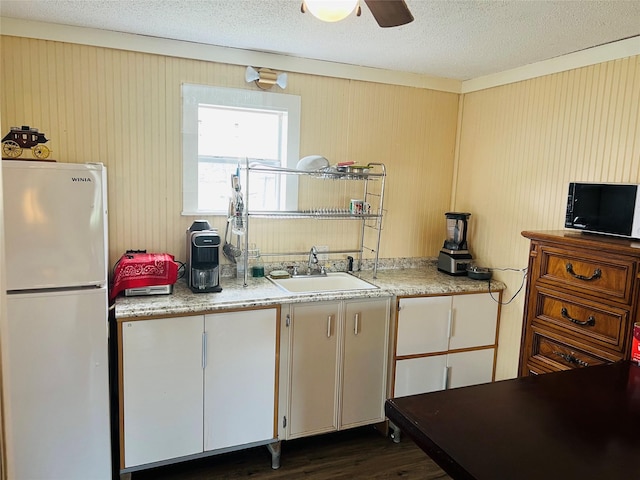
pixel 56 373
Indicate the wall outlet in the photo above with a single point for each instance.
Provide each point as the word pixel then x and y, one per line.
pixel 322 257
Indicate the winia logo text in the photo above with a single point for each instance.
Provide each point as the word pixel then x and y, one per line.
pixel 80 179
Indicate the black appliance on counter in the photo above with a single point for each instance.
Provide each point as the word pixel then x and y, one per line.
pixel 454 257
pixel 203 253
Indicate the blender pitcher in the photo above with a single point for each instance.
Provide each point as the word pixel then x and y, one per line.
pixel 456 231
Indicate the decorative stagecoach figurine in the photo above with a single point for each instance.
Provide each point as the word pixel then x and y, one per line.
pixel 23 137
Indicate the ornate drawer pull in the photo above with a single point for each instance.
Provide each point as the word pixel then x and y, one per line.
pixel 591 321
pixel 572 359
pixel 597 273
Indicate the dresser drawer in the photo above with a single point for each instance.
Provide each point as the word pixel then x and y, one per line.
pixel 609 278
pixel 562 354
pixel 535 369
pixel 591 321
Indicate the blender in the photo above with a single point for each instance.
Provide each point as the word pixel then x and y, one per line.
pixel 454 258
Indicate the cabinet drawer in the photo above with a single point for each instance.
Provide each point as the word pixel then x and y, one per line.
pixel 609 278
pixel 535 369
pixel 559 353
pixel 592 321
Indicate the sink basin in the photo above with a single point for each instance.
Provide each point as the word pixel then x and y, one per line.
pixel 334 281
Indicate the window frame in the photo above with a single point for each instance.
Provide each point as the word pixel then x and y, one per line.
pixel 194 95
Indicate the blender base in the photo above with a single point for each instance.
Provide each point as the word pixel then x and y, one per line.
pixel 454 262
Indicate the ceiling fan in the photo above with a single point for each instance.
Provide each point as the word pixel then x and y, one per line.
pixel 388 13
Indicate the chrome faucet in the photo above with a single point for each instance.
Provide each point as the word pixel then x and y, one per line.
pixel 313 259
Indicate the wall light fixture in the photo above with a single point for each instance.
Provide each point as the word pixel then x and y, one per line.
pixel 265 78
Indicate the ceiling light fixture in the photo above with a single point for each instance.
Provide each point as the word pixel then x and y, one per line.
pixel 265 78
pixel 330 10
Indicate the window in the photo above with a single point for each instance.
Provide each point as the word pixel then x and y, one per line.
pixel 224 128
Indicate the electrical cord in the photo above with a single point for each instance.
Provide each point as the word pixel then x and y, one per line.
pixel 524 277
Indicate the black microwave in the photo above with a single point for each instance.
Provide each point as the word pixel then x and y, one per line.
pixel 606 208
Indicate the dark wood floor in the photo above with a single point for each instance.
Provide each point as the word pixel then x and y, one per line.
pixel 362 453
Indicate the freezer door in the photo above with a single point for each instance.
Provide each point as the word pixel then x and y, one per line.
pixel 55 224
pixel 57 386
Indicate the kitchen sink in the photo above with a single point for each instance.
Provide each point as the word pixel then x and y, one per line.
pixel 332 282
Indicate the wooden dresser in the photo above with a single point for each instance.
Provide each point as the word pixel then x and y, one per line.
pixel 581 301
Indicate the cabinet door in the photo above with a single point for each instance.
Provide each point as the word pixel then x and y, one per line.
pixel 475 317
pixel 420 375
pixel 438 372
pixel 313 371
pixel 364 376
pixel 162 389
pixel 240 378
pixel 423 325
pixel 470 368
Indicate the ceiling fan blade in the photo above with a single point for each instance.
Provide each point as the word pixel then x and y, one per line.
pixel 390 13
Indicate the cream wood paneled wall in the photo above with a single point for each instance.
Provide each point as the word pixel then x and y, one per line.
pixel 124 109
pixel 520 146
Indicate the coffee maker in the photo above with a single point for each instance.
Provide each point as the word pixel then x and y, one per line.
pixel 203 266
pixel 454 258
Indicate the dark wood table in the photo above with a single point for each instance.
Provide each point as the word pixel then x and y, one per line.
pixel 578 424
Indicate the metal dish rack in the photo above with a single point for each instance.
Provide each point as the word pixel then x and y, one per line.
pixel 376 172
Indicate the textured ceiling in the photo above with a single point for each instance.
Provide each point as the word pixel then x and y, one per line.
pixel 458 39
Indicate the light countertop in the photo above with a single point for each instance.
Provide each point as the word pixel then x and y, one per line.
pixel 424 280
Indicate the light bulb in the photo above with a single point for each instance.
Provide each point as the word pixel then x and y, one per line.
pixel 331 10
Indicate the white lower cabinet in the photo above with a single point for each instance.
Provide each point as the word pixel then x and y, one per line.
pixel 196 384
pixel 240 389
pixel 162 389
pixel 444 342
pixel 439 372
pixel 334 365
